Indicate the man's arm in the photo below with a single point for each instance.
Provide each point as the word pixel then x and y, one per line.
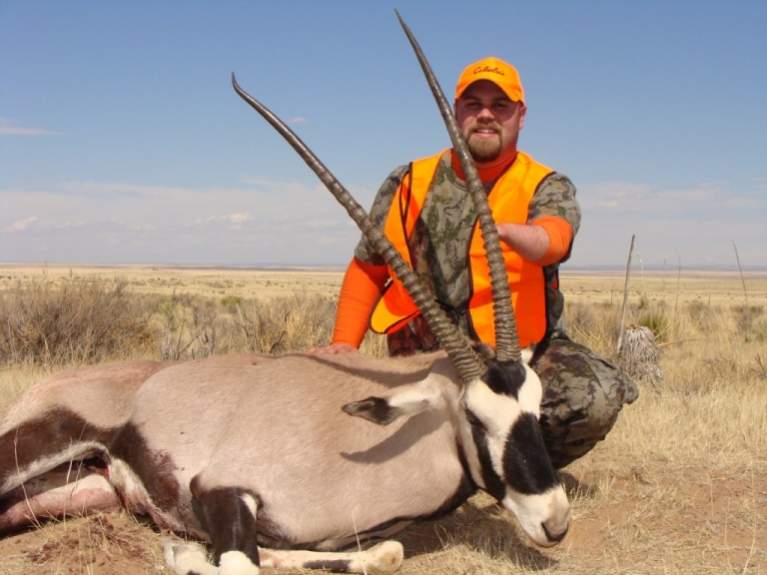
pixel 360 292
pixel 528 240
pixel 364 280
pixel 553 220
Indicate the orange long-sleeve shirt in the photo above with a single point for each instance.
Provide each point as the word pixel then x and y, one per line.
pixel 360 291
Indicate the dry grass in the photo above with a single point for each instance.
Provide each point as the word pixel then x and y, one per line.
pixel 15 379
pixel 74 320
pixel 77 320
pixel 102 544
pixel 263 284
pixel 678 487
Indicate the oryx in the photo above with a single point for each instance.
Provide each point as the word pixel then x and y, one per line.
pixel 255 455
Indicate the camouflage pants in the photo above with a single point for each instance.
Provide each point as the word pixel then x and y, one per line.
pixel 582 396
pixel 582 392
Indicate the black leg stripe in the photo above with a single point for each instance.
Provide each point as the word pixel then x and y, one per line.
pixel 228 521
pixel 337 565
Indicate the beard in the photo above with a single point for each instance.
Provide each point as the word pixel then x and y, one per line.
pixel 484 149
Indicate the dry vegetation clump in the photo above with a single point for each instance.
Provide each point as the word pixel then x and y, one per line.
pixel 97 545
pixel 88 320
pixel 69 322
pixel 751 322
pixel 595 326
pixel 639 355
pixel 293 323
pixel 193 326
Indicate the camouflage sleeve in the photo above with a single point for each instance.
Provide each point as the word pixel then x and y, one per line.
pixel 378 213
pixel 555 196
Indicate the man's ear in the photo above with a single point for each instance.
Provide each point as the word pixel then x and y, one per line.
pixel 522 113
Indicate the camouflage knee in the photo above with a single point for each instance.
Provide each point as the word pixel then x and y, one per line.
pixel 582 396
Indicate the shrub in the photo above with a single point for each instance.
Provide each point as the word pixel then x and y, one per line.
pixel 702 316
pixel 593 325
pixel 230 303
pixel 747 321
pixel 78 320
pixel 187 327
pixel 286 324
pixel 656 320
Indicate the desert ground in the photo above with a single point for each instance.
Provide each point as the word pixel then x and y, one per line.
pixel 678 487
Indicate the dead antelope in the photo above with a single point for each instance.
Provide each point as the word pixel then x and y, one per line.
pixel 255 454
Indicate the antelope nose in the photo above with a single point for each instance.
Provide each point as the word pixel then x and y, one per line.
pixel 555 530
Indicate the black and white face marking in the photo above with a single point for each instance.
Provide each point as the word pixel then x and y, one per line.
pixel 502 409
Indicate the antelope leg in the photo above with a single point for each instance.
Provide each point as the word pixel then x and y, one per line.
pixel 381 559
pixel 230 517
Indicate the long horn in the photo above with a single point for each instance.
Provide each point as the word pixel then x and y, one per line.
pixel 451 339
pixel 506 341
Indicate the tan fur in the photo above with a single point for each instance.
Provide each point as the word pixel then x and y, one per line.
pixel 320 473
pixel 102 394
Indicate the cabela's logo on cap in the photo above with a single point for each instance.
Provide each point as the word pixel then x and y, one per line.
pixel 490 69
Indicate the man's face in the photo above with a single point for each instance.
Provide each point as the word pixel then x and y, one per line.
pixel 490 122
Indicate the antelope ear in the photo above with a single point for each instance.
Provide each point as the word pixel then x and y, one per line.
pixel 375 409
pixel 408 401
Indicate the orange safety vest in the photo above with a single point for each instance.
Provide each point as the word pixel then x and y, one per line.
pixel 509 201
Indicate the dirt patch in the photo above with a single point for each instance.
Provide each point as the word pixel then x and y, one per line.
pixel 694 519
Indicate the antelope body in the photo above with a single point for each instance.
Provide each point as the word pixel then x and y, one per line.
pixel 256 454
pixel 269 428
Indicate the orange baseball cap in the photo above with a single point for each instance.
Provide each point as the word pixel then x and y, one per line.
pixel 498 71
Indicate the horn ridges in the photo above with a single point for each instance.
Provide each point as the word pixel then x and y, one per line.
pixel 451 339
pixel 506 341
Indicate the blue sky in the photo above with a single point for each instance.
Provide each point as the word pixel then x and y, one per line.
pixel 121 140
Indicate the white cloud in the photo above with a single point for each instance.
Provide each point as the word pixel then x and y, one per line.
pixel 21 225
pixel 635 198
pixel 115 190
pixel 236 220
pixel 8 128
pixel 292 222
pixel 696 224
pixel 296 120
pixel 264 222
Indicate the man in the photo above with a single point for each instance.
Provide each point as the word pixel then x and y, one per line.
pixel 426 212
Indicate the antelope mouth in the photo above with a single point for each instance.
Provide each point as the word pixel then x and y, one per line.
pixel 545 518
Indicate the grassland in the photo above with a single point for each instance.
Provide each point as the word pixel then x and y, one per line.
pixel 709 287
pixel 679 485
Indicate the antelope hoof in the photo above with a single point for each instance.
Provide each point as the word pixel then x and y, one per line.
pixel 385 558
pixel 237 563
pixel 185 558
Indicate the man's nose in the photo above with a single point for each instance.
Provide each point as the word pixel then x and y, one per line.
pixel 485 115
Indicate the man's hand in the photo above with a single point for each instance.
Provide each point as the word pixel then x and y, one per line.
pixel 333 349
